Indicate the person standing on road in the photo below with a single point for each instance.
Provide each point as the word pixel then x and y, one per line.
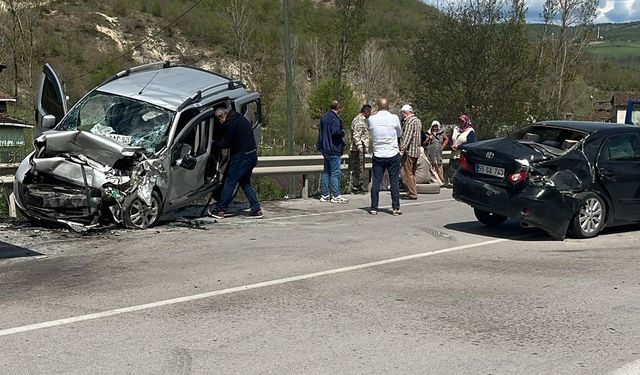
pixel 410 145
pixel 359 147
pixel 331 145
pixel 243 157
pixel 434 144
pixel 462 133
pixel 385 130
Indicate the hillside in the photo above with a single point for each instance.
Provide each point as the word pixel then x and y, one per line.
pixel 608 32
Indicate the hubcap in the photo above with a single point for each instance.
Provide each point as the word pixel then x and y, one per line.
pixel 590 215
pixel 142 215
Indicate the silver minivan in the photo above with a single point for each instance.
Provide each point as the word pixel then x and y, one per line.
pixel 136 146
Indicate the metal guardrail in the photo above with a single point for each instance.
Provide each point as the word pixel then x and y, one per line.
pixel 267 166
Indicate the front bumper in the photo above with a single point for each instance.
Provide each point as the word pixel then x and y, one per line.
pixel 544 207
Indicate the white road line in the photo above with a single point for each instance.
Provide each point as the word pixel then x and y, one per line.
pixel 174 301
pixel 632 368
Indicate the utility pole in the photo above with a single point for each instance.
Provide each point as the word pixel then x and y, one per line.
pixel 288 65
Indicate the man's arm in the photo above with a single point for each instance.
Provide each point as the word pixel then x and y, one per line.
pixel 358 127
pixel 409 130
pixel 335 127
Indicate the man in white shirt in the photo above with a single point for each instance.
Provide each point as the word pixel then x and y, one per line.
pixel 384 128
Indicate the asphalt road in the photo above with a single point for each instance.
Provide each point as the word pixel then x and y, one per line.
pixel 319 288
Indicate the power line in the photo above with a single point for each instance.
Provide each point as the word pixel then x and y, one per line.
pixel 145 40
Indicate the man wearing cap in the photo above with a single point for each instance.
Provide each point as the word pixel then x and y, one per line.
pixel 385 130
pixel 410 144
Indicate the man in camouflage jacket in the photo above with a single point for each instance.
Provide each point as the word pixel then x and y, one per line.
pixel 358 178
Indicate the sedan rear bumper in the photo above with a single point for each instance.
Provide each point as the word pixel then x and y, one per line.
pixel 540 206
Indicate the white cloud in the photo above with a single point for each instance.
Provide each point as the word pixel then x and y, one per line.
pixel 608 10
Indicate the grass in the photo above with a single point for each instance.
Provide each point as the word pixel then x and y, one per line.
pixel 616 50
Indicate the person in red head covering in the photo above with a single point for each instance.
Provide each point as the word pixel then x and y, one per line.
pixel 462 133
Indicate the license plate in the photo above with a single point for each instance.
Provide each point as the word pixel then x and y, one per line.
pixel 489 170
pixel 124 139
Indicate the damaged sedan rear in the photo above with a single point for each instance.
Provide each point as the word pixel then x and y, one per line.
pixel 138 145
pixel 565 177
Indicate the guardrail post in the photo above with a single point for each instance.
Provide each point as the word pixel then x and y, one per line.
pixel 12 206
pixel 305 187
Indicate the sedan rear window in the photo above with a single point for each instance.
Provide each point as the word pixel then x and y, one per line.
pixel 562 139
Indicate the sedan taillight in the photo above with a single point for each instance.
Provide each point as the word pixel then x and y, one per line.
pixel 464 164
pixel 518 177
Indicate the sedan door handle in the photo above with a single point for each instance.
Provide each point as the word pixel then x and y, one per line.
pixel 608 174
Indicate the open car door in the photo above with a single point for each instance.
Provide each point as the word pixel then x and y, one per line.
pixel 249 106
pixel 50 100
pixel 187 184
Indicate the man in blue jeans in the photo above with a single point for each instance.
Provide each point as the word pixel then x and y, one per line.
pixel 239 139
pixel 331 145
pixel 385 130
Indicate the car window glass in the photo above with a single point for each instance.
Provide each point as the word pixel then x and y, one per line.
pixel 550 136
pixel 250 112
pixel 50 101
pixel 622 147
pixel 128 121
pixel 635 114
pixel 199 135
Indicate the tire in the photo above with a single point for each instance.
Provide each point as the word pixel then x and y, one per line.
pixel 590 218
pixel 489 218
pixel 428 188
pixel 138 215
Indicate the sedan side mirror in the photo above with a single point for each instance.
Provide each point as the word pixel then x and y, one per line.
pixel 48 122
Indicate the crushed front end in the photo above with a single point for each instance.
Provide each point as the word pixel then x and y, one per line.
pixel 81 179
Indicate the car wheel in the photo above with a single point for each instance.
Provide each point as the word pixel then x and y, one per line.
pixel 590 218
pixel 489 218
pixel 138 215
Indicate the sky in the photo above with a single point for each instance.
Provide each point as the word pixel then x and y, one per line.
pixel 617 11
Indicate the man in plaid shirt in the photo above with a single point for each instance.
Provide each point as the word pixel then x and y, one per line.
pixel 359 146
pixel 410 145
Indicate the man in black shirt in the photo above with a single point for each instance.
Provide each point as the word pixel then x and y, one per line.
pixel 239 139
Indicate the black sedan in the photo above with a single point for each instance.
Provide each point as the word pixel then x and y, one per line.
pixel 564 177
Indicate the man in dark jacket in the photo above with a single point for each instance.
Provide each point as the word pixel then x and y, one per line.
pixel 331 145
pixel 239 139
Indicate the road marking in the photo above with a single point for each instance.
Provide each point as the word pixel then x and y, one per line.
pixel 632 368
pixel 194 297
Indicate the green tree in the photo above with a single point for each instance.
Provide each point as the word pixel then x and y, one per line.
pixel 327 90
pixel 566 34
pixel 476 60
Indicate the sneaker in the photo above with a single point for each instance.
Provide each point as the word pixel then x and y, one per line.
pixel 396 212
pixel 373 212
pixel 324 198
pixel 257 214
pixel 339 199
pixel 216 213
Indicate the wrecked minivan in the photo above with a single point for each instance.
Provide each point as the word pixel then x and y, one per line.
pixel 136 146
pixel 564 177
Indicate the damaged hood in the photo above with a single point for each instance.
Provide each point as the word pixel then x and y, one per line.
pixel 101 149
pixel 506 148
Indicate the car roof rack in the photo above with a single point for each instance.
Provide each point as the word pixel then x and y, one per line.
pixel 141 68
pixel 230 85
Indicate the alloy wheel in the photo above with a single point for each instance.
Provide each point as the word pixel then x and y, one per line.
pixel 591 215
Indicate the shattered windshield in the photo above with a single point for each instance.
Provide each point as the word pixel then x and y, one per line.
pixel 128 121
